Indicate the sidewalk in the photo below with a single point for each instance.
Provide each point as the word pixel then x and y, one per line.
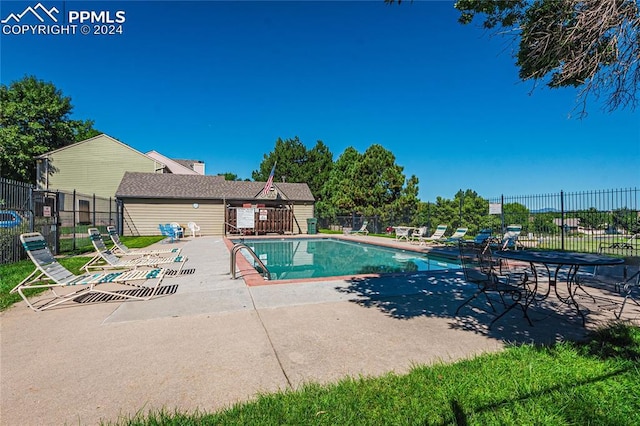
pixel 217 341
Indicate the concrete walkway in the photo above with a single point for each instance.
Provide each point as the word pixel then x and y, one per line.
pixel 216 341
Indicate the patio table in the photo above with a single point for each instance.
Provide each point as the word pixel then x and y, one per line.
pixel 553 262
pixel 402 232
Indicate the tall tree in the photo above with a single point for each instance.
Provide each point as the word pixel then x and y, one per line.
pixel 297 164
pixel 34 119
pixel 370 183
pixel 593 45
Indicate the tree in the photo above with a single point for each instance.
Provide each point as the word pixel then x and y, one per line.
pixel 229 176
pixel 34 119
pixel 516 213
pixel 297 164
pixel 370 184
pixel 593 45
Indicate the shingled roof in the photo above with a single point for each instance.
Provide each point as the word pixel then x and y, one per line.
pixel 163 185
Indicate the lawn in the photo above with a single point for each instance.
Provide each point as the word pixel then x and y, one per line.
pixel 13 273
pixel 588 383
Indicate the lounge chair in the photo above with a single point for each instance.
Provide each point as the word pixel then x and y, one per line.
pixel 363 229
pixel 624 245
pixel 510 238
pixel 52 275
pixel 194 228
pixel 490 276
pixel 112 261
pixel 436 236
pixel 481 239
pixel 120 248
pixel 457 236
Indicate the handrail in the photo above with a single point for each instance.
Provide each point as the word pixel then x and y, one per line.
pixel 239 246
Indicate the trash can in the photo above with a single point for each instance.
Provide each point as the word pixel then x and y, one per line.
pixel 312 224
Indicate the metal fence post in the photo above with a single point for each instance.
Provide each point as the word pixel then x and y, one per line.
pixel 75 220
pixel 562 227
pixel 94 210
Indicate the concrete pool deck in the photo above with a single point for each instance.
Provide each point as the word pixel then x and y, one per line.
pixel 217 341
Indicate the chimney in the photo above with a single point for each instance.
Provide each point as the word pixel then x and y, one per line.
pixel 198 167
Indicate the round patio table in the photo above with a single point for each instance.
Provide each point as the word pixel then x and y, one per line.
pixel 553 261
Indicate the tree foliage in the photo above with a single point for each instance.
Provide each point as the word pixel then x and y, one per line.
pixel 593 45
pixel 295 163
pixel 370 184
pixel 34 119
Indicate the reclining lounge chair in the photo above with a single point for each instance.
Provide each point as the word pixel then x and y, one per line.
pixel 437 236
pixel 120 248
pixel 52 275
pixel 112 261
pixel 363 229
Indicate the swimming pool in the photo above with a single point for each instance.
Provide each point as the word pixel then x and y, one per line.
pixel 329 257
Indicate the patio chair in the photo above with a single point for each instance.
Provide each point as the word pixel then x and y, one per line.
pixel 623 245
pixel 623 280
pixel 194 228
pixel 457 236
pixel 120 248
pixel 437 236
pixel 487 273
pixel 419 234
pixel 509 239
pixel 629 286
pixel 110 260
pixel 363 229
pixel 168 232
pixel 52 275
pixel 481 239
pixel 179 230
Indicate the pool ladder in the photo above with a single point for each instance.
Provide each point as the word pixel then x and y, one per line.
pixel 234 251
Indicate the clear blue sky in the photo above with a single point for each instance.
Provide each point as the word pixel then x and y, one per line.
pixel 221 81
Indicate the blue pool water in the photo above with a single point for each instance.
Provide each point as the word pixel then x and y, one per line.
pixel 327 257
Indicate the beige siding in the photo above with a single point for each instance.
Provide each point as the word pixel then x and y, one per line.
pixel 142 217
pixel 302 212
pixel 96 166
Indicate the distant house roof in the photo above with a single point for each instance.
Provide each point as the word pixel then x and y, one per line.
pixel 572 222
pixel 188 163
pixel 153 185
pixel 102 135
pixel 179 167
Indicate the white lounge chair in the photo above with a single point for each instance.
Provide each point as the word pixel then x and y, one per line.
pixel 510 237
pixel 112 261
pixel 120 248
pixel 436 236
pixel 52 275
pixel 457 236
pixel 363 229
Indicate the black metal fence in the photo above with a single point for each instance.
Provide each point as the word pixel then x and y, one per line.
pixel 16 201
pixel 588 221
pixel 581 221
pixel 61 217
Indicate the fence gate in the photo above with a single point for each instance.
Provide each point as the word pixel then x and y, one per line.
pixel 47 217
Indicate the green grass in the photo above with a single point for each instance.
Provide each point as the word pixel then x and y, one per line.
pixel 13 273
pixel 83 245
pixel 592 383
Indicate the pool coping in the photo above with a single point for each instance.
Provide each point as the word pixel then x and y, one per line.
pixel 253 278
